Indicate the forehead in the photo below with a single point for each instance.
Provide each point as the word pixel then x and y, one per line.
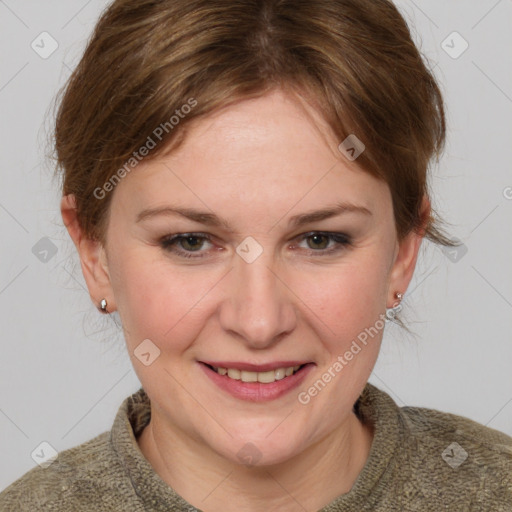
pixel 269 152
pixel 277 120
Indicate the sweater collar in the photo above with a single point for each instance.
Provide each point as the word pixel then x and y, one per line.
pixel 374 407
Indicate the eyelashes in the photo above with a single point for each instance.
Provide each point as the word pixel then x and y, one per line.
pixel 177 244
pixel 171 244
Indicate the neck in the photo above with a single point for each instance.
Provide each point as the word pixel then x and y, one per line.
pixel 208 481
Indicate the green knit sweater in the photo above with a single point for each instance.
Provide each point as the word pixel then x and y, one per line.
pixel 420 460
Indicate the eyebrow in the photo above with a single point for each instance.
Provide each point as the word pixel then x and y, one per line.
pixel 210 219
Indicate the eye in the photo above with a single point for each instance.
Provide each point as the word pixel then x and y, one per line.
pixel 190 245
pixel 186 243
pixel 319 242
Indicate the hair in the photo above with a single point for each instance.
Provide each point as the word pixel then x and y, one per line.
pixel 353 60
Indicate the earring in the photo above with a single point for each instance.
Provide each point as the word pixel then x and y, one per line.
pixel 103 306
pixel 397 307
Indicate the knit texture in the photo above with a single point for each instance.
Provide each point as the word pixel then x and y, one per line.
pixel 420 460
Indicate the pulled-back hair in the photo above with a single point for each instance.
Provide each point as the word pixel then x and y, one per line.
pixel 354 60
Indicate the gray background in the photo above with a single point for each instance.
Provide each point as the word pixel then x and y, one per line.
pixel 64 370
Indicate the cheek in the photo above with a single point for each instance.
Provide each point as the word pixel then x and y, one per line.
pixel 347 297
pixel 159 301
pixel 345 307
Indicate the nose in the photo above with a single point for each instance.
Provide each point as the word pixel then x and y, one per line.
pixel 259 308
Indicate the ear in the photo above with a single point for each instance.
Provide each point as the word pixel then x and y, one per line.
pixel 406 257
pixel 93 257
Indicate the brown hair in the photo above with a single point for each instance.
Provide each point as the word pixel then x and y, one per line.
pixel 354 60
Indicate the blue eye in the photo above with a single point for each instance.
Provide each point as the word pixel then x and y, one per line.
pixel 189 245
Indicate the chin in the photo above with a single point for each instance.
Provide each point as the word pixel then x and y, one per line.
pixel 258 449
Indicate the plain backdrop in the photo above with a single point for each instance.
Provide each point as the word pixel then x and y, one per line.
pixel 64 370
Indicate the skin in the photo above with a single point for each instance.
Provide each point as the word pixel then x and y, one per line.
pixel 255 164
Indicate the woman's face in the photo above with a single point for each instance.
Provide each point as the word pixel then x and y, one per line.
pixel 254 285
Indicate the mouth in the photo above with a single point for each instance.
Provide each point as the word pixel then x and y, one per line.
pixel 265 377
pixel 256 382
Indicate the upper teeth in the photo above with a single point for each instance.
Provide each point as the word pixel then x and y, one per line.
pixel 265 377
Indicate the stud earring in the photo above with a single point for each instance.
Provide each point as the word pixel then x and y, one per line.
pixel 397 307
pixel 103 306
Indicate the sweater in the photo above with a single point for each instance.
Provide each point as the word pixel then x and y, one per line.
pixel 420 460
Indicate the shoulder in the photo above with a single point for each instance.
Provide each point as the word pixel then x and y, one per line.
pixel 435 460
pixel 94 475
pixel 438 427
pixel 77 479
pixel 459 457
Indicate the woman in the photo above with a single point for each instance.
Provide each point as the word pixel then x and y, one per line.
pixel 246 185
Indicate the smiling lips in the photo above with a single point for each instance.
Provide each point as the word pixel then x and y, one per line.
pixel 264 377
pixel 256 382
pixel 247 372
